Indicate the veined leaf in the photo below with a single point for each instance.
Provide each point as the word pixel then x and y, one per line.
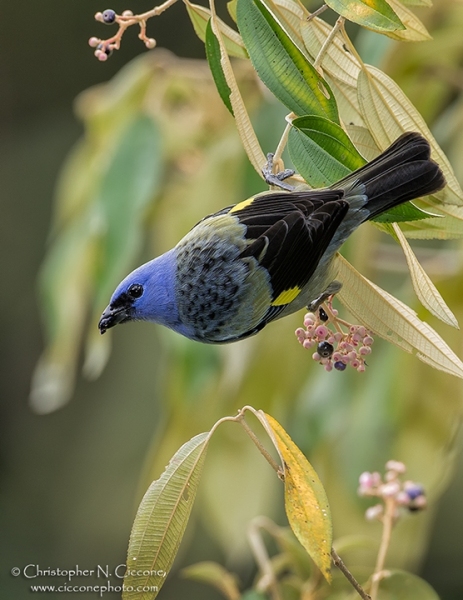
pixel 425 290
pixel 363 140
pixel 200 16
pixel 321 151
pixel 393 320
pixel 213 58
pixel 446 226
pixel 389 113
pixel 427 3
pixel 414 30
pixel 340 66
pixel 404 212
pixel 372 14
pixel 161 521
pixel 306 503
pixel 243 122
pixel 281 65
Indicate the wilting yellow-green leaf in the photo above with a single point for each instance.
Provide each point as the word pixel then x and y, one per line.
pixel 341 67
pixel 448 225
pixel 215 575
pixel 200 16
pixel 161 521
pixel 393 320
pixel 363 141
pixel 306 503
pixel 389 113
pixel 414 30
pixel 424 288
pixel 373 14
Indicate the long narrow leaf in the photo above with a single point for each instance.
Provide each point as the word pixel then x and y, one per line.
pixel 281 65
pixel 213 58
pixel 393 320
pixel 161 521
pixel 373 14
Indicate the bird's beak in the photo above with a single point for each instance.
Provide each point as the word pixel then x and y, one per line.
pixel 112 316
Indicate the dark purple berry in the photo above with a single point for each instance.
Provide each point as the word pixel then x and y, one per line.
pixel 106 49
pixel 414 492
pixel 325 349
pixel 339 365
pixel 109 16
pixel 322 314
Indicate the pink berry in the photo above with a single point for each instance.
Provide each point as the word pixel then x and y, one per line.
pixel 367 340
pixel 316 356
pixel 321 332
pixel 93 42
pixel 364 350
pixel 308 344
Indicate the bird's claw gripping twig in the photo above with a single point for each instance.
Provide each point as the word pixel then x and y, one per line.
pixel 277 179
pixel 332 289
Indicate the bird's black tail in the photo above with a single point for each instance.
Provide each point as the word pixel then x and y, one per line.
pixel 402 172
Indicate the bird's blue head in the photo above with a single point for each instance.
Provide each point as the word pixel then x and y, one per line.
pixel 147 294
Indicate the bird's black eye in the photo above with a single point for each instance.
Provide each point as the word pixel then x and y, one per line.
pixel 135 290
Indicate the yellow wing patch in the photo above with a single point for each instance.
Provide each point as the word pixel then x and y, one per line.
pixel 286 296
pixel 242 205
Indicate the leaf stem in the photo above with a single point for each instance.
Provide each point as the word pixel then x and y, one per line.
pixel 275 466
pixel 337 560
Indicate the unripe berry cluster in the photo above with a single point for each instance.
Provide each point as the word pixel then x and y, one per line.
pixel 407 494
pixel 334 347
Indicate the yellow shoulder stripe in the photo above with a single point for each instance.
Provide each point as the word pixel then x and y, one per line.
pixel 287 296
pixel 242 205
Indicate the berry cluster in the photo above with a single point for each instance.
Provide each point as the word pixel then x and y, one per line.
pixel 104 48
pixel 335 347
pixel 406 494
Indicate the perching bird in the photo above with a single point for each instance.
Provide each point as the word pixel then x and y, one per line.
pixel 269 256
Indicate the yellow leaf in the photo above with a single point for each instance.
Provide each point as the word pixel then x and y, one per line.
pixel 389 113
pixel 306 503
pixel 393 320
pixel 424 288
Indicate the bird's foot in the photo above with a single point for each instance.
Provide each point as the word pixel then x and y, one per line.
pixel 332 289
pixel 277 179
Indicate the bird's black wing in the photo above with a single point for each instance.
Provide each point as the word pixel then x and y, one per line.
pixel 288 234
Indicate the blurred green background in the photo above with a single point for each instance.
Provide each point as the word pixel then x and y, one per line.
pixel 71 480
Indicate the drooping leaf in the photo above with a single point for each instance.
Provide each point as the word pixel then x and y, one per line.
pixel 389 113
pixel 213 58
pixel 243 122
pixel 161 521
pixel 306 503
pixel 321 151
pixel 414 30
pixel 446 226
pixel 424 288
pixel 393 320
pixel 215 575
pixel 281 65
pixel 404 212
pixel 373 14
pixel 200 16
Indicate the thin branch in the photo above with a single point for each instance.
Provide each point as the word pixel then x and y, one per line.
pixel 388 523
pixel 337 560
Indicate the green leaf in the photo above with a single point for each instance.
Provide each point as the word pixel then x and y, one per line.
pixel 213 58
pixel 281 65
pixel 161 521
pixel 404 212
pixel 200 16
pixel 306 503
pixel 322 151
pixel 400 585
pixel 373 14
